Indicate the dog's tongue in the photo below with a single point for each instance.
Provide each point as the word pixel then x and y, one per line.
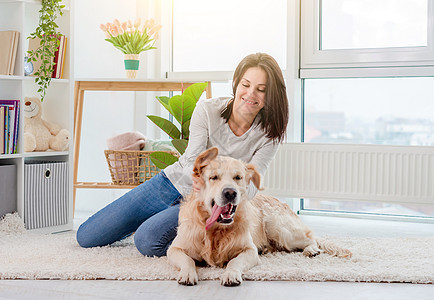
pixel 216 211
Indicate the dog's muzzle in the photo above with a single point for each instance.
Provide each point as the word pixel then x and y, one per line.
pixel 223 214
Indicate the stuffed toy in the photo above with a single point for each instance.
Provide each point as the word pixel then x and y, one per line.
pixel 39 134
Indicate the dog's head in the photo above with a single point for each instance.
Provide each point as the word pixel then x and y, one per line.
pixel 224 185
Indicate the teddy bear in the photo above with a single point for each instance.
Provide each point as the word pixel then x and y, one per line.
pixel 39 134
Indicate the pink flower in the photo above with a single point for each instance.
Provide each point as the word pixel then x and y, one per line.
pixel 113 30
pixel 154 29
pixel 120 30
pixel 146 24
pixel 151 23
pixel 137 23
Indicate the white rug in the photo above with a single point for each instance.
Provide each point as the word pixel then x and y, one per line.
pixel 26 255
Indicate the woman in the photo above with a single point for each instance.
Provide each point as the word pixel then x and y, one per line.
pixel 248 126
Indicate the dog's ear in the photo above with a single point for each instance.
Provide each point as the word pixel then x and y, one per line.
pixel 254 176
pixel 203 160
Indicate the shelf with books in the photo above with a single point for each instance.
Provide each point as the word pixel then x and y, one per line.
pixel 22 16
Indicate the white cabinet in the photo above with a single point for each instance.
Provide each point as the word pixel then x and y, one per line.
pixel 22 16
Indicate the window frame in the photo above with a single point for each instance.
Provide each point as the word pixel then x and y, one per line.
pixel 367 62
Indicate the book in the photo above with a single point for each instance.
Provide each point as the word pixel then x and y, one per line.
pixel 34 44
pixel 17 127
pixel 14 52
pixel 2 130
pixel 58 58
pixel 11 128
pixel 63 58
pixel 8 51
pixel 6 131
pixel 12 124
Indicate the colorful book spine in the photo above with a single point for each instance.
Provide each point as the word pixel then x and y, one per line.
pixel 11 125
pixel 16 128
pixel 2 129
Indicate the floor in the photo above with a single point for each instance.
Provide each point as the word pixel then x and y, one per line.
pixel 210 290
pixel 104 289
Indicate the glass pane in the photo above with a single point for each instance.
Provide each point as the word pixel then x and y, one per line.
pixel 381 208
pixel 393 111
pixel 216 35
pixel 352 24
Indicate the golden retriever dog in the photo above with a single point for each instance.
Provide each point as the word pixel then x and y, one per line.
pixel 219 225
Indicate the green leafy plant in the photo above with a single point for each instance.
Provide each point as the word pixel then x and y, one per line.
pixel 47 31
pixel 181 108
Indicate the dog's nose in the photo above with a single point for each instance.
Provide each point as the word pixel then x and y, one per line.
pixel 229 194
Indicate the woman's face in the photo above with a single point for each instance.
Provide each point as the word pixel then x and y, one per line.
pixel 250 92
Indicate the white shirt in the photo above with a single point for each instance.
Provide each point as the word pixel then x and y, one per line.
pixel 208 129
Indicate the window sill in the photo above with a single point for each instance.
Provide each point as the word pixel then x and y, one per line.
pixel 332 225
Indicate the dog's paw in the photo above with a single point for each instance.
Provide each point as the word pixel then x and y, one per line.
pixel 311 251
pixel 231 278
pixel 187 277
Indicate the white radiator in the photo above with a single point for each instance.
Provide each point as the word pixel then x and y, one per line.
pixel 353 172
pixel 45 194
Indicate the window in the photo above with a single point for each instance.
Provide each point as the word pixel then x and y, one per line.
pixel 366 33
pixel 367 69
pixel 392 111
pixel 216 35
pixel 352 24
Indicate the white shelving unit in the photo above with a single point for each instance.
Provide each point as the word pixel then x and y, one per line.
pixel 22 16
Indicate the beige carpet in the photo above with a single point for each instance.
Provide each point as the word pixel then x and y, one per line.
pixel 26 255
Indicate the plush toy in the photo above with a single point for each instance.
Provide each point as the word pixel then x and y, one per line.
pixel 39 134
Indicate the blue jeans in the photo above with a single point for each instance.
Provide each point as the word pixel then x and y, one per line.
pixel 150 210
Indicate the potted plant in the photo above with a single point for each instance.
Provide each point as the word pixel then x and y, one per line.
pixel 181 108
pixel 131 39
pixel 47 32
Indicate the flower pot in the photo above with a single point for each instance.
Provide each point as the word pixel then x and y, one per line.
pixel 131 65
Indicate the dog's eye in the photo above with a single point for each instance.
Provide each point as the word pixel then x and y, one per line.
pixel 215 177
pixel 238 177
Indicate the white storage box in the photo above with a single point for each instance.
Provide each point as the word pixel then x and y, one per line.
pixel 45 194
pixel 8 189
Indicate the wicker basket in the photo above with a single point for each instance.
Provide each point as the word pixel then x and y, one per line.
pixel 131 167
